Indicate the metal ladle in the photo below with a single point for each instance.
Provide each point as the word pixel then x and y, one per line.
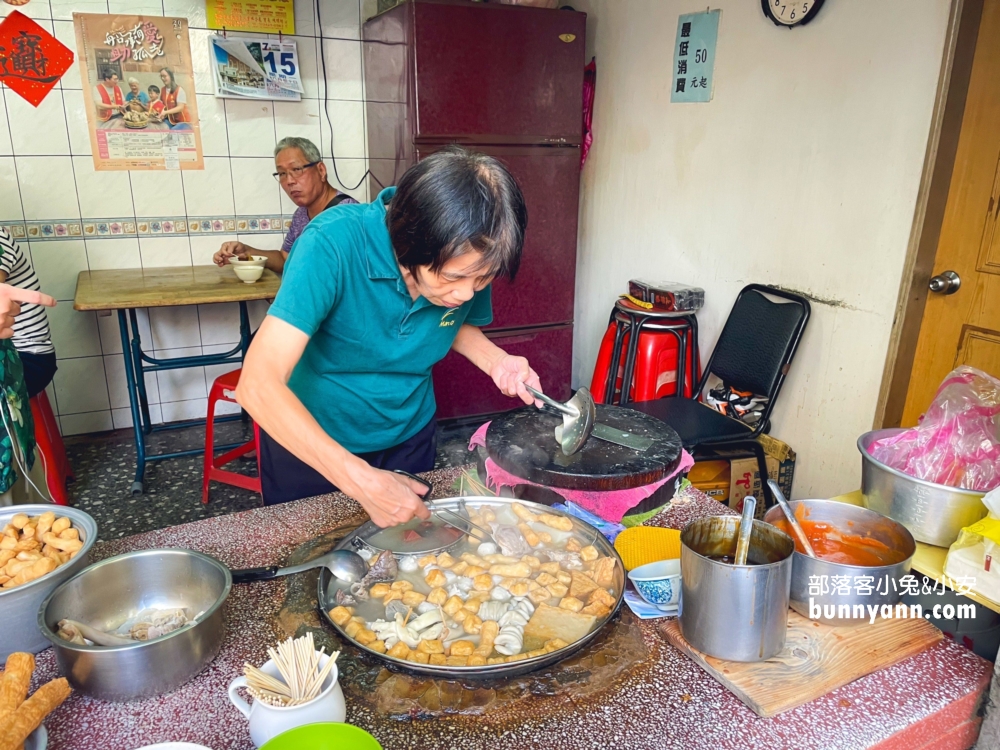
pixel 746 529
pixel 345 565
pixel 792 520
pixel 580 422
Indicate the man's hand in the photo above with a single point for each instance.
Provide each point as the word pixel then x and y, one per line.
pixel 11 299
pixel 389 498
pixel 511 373
pixel 230 250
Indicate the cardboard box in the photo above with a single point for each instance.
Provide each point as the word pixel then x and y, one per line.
pixel 734 475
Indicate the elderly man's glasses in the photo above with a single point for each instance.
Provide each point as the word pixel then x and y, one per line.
pixel 295 172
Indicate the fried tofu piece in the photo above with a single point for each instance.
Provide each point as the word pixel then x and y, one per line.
pixel 419 657
pixel 460 616
pixel 536 652
pixel 365 636
pixel 529 535
pixel 545 537
pixel 439 660
pixel 379 590
pixel 604 572
pixel 413 598
pixel 515 570
pixel 341 615
pixel 462 648
pixel 474 559
pixel 520 588
pixel 477 661
pixel 452 605
pixel 445 560
pixel 435 579
pixel 482 582
pixel 570 603
pixel 573 544
pixel 589 553
pixel 431 647
pixel 523 513
pixel 555 644
pixel 564 578
pixel 600 596
pixel 457 661
pixel 581 585
pixel 496 660
pixel 552 568
pixel 392 596
pixel 438 596
pixel 472 624
pixel 533 562
pixel 597 609
pixel 352 628
pixel 377 646
pixel 474 570
pixel 557 589
pixel 401 586
pixel 460 568
pixel 399 651
pixel 426 560
pixel 516 657
pixel 539 595
pixel 544 579
pixel 559 523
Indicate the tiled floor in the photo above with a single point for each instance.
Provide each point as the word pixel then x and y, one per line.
pixel 105 464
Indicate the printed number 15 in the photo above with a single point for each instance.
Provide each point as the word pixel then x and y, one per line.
pixel 287 66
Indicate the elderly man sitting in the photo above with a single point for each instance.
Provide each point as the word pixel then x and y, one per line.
pixel 302 175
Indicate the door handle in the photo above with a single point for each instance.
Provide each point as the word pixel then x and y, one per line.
pixel 946 282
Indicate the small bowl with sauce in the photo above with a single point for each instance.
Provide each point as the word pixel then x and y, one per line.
pixel 659 583
pixel 861 556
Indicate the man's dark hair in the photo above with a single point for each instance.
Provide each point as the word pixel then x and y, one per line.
pixel 453 201
pixel 106 73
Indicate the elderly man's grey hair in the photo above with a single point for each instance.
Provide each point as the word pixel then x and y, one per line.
pixel 307 147
pixel 133 80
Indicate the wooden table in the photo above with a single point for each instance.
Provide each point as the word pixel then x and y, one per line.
pixel 130 289
pixel 665 702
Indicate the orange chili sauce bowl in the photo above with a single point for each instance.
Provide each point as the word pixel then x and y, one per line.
pixel 861 557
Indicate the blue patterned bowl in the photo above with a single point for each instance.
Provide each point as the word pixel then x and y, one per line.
pixel 658 583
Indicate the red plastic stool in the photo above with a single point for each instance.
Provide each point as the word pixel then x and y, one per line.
pixel 49 444
pixel 223 390
pixel 664 361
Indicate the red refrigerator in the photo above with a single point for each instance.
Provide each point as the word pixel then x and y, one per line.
pixel 508 81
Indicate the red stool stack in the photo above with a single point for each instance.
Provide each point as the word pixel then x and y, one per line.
pixel 223 389
pixel 662 361
pixel 50 449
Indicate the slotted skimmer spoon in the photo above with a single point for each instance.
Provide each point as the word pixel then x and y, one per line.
pixel 580 422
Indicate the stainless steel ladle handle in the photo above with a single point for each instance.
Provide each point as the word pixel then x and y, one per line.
pixel 549 401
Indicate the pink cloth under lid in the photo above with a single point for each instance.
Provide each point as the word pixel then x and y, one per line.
pixel 611 505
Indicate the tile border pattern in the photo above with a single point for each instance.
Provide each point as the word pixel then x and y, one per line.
pixel 129 226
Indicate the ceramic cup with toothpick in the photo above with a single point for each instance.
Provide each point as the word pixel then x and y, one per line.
pixel 268 721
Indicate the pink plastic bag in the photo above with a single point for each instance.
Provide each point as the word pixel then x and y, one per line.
pixel 957 442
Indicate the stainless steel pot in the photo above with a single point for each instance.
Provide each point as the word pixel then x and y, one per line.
pixel 933 513
pixel 737 613
pixel 814 592
pixel 327 589
pixel 19 606
pixel 110 592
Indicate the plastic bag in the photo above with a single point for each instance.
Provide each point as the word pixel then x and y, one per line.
pixel 973 561
pixel 957 442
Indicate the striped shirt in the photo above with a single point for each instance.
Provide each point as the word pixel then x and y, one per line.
pixel 31 326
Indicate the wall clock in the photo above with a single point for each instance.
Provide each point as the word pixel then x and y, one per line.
pixel 789 13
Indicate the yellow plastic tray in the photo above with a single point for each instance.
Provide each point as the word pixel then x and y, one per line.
pixel 645 544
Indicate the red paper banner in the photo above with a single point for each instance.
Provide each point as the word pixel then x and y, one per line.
pixel 31 60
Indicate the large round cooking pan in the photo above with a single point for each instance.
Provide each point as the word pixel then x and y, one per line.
pixel 584 531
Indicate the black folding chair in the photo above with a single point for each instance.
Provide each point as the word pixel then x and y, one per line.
pixel 754 353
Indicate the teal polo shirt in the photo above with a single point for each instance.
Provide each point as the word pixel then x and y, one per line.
pixel 365 374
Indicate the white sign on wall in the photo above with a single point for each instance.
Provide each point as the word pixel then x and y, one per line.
pixel 694 56
pixel 256 69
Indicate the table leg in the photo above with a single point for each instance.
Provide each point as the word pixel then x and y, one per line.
pixel 133 400
pixel 140 373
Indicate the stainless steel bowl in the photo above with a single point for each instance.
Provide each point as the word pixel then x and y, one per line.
pixel 734 612
pixel 19 606
pixel 327 588
pixel 812 579
pixel 110 592
pixel 933 513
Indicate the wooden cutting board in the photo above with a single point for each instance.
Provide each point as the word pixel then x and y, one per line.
pixel 816 659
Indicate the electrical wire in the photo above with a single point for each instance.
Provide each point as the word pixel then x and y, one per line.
pixel 326 108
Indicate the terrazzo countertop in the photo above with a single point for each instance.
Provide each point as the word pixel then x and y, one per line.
pixel 928 701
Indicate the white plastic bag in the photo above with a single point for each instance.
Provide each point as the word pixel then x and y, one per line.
pixel 973 561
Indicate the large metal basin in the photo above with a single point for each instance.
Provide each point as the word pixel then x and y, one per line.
pixel 19 606
pixel 813 580
pixel 110 592
pixel 933 513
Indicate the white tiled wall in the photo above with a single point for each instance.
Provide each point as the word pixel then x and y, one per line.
pixel 47 175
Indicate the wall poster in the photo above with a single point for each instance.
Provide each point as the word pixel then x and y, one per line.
pixel 138 89
pixel 694 57
pixel 263 16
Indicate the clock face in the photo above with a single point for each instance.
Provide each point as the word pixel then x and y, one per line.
pixel 790 13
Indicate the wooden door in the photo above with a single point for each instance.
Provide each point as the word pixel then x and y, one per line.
pixel 963 327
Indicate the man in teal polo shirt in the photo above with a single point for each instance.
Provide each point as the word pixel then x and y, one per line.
pixel 339 374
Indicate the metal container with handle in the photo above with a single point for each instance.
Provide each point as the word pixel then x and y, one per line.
pixel 934 513
pixel 734 612
pixel 19 605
